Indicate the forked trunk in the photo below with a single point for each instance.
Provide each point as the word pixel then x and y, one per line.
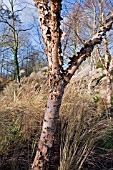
pixel 49 17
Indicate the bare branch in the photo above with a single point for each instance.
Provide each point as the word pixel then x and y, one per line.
pixel 86 51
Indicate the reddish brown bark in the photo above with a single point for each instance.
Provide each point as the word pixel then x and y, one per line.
pixel 52 37
pixel 49 17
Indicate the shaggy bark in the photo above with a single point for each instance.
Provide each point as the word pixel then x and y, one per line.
pixel 49 17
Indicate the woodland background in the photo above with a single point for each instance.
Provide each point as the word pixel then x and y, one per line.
pixel 86 115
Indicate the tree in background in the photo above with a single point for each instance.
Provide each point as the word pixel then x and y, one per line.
pixel 18 47
pixel 10 19
pixel 91 16
pixel 13 27
pixel 108 59
pixel 58 78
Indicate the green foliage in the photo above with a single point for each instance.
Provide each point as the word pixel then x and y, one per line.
pixel 112 100
pixel 107 141
pixel 100 64
pixel 96 97
pixel 14 133
pixel 112 73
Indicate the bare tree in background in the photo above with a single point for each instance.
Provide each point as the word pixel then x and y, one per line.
pixel 108 60
pixel 9 17
pixel 49 17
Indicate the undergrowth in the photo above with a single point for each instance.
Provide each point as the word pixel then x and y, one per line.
pixel 86 134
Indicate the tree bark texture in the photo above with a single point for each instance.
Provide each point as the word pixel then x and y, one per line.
pixel 49 18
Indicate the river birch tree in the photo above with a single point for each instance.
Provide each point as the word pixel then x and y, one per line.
pixel 49 12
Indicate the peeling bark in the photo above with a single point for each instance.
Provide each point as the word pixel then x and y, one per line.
pixel 45 146
pixel 49 17
pixel 52 37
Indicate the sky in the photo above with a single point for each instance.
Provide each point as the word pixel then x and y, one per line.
pixel 29 9
pixel 30 12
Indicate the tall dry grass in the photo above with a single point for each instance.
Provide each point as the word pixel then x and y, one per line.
pixel 21 116
pixel 82 127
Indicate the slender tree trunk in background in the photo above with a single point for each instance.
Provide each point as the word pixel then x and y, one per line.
pixel 16 65
pixel 15 48
pixel 109 90
pixel 107 62
pixel 108 68
pixel 2 64
pixel 75 43
pixel 15 53
pixel 49 18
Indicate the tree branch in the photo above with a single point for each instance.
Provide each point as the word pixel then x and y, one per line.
pixel 86 51
pixel 6 22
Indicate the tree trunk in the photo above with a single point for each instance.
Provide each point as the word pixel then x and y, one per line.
pixel 45 146
pixel 109 90
pixel 50 25
pixel 2 64
pixel 49 17
pixel 16 65
pixel 107 61
pixel 108 68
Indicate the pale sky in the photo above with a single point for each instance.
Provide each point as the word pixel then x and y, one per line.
pixel 29 9
pixel 26 16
